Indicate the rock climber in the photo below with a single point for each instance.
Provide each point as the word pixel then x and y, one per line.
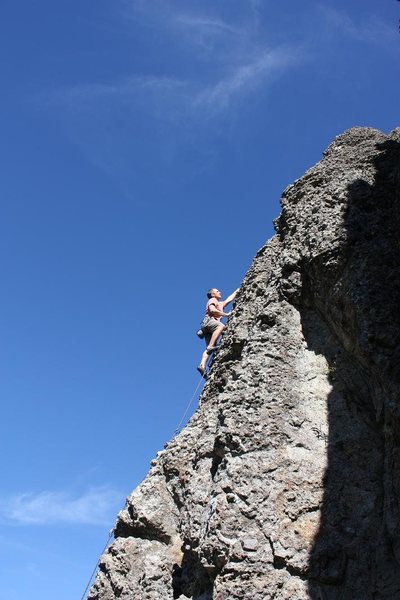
pixel 211 324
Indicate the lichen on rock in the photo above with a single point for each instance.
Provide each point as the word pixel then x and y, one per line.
pixel 285 484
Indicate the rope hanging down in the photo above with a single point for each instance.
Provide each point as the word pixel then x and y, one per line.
pixel 97 565
pixel 177 430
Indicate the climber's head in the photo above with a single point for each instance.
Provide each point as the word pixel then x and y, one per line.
pixel 213 293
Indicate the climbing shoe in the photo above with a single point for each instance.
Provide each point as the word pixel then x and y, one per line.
pixel 212 349
pixel 202 371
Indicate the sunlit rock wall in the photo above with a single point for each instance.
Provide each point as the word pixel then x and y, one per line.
pixel 285 484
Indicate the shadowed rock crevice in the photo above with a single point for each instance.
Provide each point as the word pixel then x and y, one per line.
pixel 140 527
pixel 285 484
pixel 190 579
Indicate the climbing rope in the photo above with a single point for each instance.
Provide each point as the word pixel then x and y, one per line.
pixel 208 367
pixel 178 429
pixel 97 565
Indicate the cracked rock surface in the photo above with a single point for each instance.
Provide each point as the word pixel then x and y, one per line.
pixel 285 484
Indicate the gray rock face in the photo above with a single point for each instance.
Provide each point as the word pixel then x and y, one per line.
pixel 285 484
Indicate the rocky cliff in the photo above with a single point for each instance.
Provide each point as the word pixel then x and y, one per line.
pixel 285 483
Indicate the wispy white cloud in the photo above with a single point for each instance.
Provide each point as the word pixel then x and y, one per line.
pixel 256 6
pixel 245 78
pixel 202 31
pixel 172 99
pixel 213 26
pixel 97 506
pixel 226 61
pixel 215 59
pixel 131 91
pixel 204 65
pixel 369 29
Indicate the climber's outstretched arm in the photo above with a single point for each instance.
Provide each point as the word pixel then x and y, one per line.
pixel 230 298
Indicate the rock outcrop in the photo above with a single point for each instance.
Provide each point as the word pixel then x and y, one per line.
pixel 285 484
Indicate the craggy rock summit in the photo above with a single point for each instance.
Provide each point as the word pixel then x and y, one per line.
pixel 285 484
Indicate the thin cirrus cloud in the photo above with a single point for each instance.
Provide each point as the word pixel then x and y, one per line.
pixel 97 506
pixel 228 62
pixel 200 31
pixel 370 29
pixel 173 99
pixel 246 78
pixel 235 61
pixel 207 25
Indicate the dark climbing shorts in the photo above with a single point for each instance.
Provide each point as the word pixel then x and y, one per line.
pixel 209 325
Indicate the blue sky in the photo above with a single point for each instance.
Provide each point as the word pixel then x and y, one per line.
pixel 144 147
